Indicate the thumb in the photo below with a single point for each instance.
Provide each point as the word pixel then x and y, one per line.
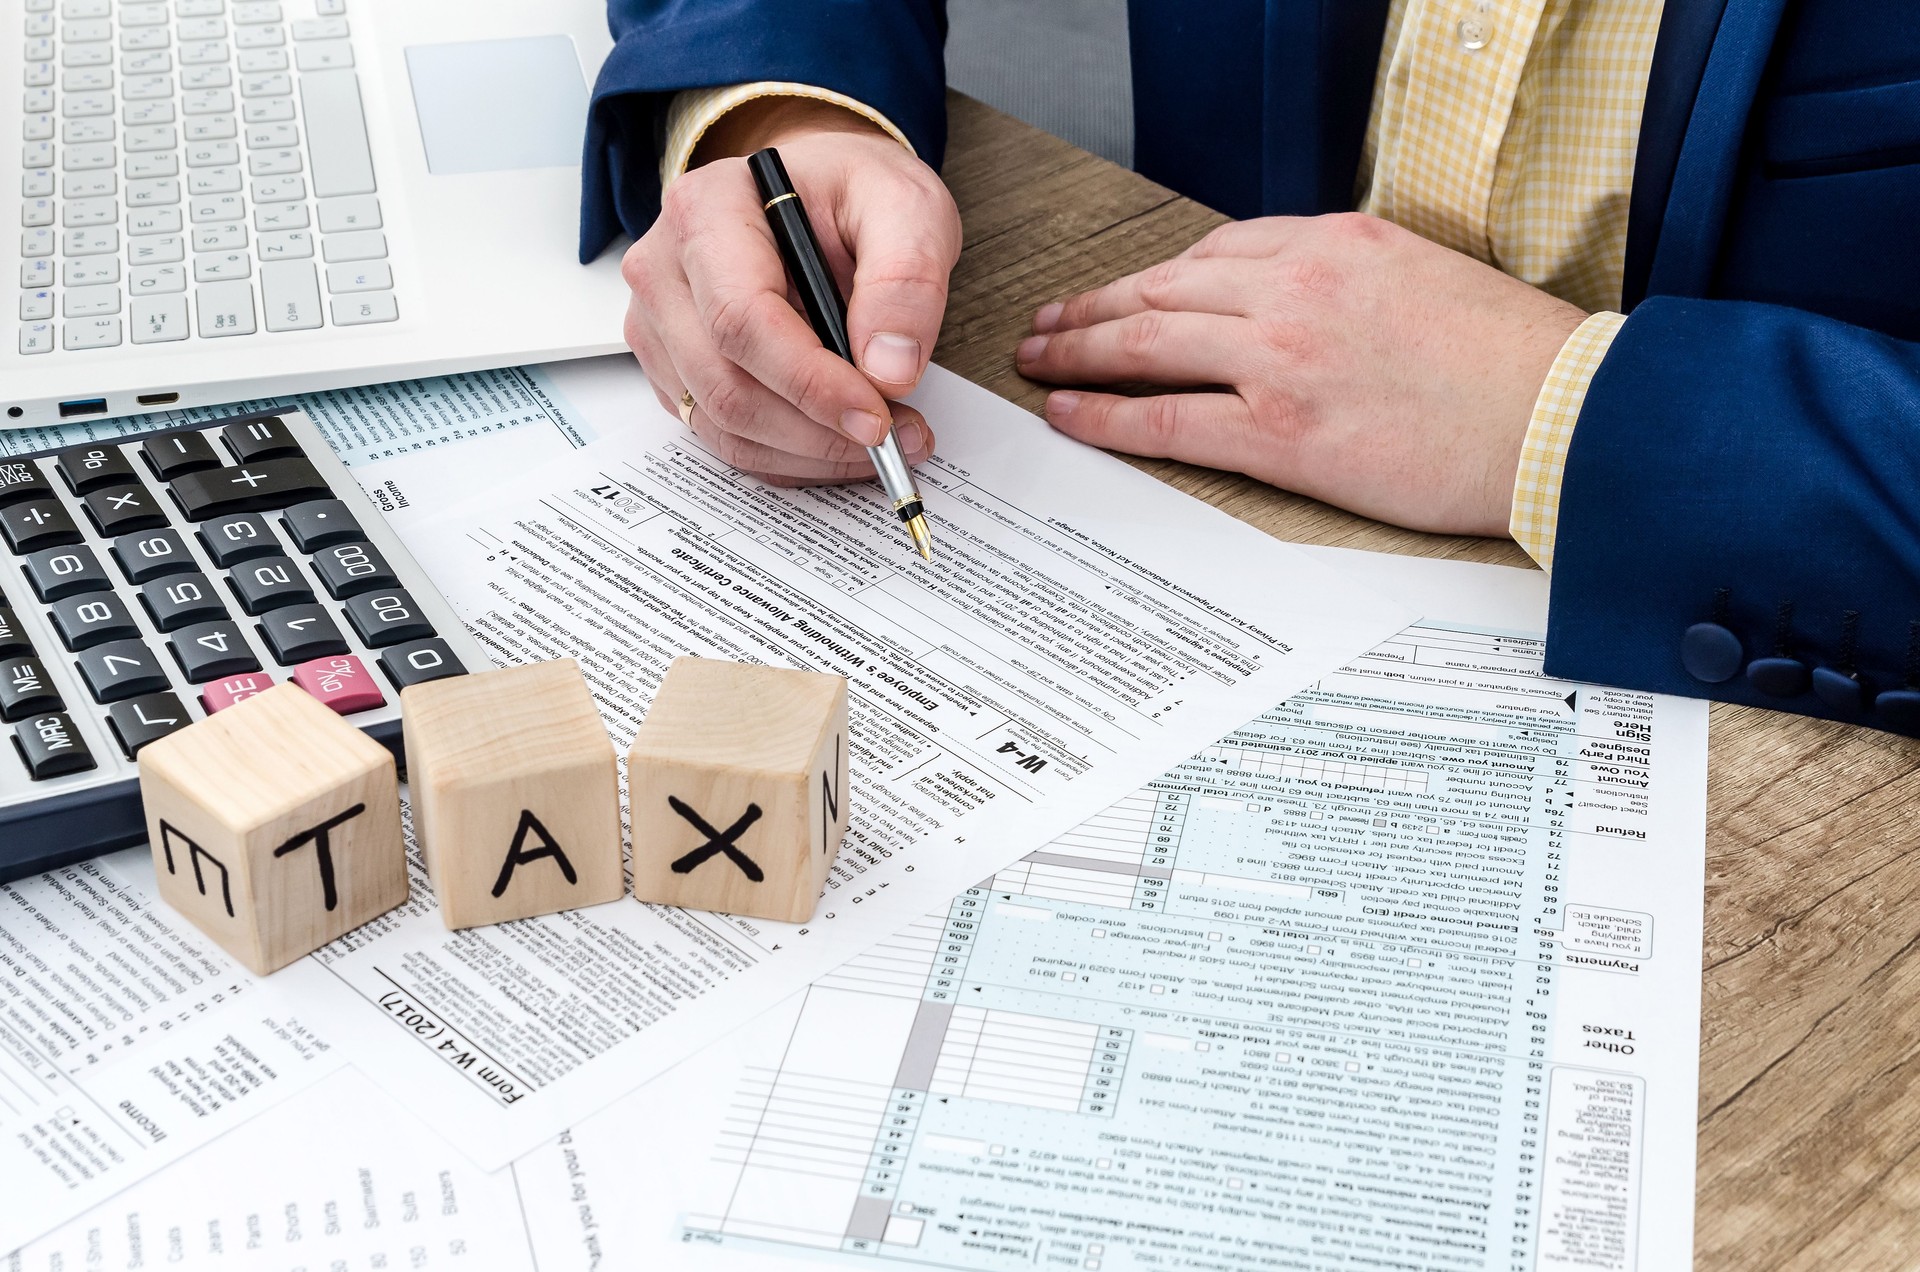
pixel 903 250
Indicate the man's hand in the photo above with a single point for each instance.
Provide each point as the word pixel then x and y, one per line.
pixel 1362 365
pixel 710 313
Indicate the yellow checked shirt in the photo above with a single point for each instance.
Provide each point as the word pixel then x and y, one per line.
pixel 1504 129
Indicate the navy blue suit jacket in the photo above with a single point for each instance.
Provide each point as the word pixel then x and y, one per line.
pixel 1741 510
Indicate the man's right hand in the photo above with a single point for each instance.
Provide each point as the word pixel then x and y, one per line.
pixel 710 313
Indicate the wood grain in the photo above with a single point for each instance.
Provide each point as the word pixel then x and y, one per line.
pixel 1810 1050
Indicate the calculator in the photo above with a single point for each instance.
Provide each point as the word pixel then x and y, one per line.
pixel 150 581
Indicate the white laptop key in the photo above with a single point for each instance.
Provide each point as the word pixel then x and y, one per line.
pixel 211 128
pixel 136 114
pixel 39 75
pixel 155 280
pixel 361 245
pixel 141 88
pixel 89 302
pixel 355 212
pixel 272 163
pixel 86 105
pixel 337 151
pixel 199 8
pixel 323 55
pixel 36 183
pixel 212 154
pixel 262 60
pixel 360 277
pixel 150 62
pixel 36 305
pixel 329 8
pixel 90 333
pixel 217 207
pixel 285 245
pixel 280 216
pixel 320 29
pixel 151 137
pixel 258 37
pixel 88 271
pixel 267 110
pixel 162 249
pixel 36 212
pixel 213 180
pixel 139 15
pixel 289 295
pixel 158 319
pixel 88 185
pixel 86 55
pixel 207 101
pixel 272 136
pixel 90 241
pixel 211 267
pixel 354 311
pixel 84 132
pixel 285 189
pixel 86 158
pixel 203 53
pixel 207 28
pixel 37 242
pixel 37 100
pixel 219 236
pixel 271 84
pixel 142 166
pixel 82 79
pixel 206 77
pixel 36 273
pixel 225 309
pixel 37 128
pixel 250 13
pixel 158 192
pixel 36 337
pixel 134 39
pixel 89 212
pixel 164 220
pixel 37 154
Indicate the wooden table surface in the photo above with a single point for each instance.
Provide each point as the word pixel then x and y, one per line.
pixel 1809 1148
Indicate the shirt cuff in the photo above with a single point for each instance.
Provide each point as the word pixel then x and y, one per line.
pixel 1543 456
pixel 695 110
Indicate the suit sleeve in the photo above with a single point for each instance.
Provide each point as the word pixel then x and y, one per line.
pixel 885 53
pixel 1740 515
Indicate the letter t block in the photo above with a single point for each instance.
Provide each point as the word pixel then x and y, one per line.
pixel 275 826
pixel 738 788
pixel 516 792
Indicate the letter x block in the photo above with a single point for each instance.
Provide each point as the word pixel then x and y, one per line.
pixel 516 792
pixel 738 787
pixel 275 826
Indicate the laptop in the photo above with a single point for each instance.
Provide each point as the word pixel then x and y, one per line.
pixel 232 199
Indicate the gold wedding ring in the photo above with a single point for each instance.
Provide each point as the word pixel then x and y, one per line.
pixel 686 408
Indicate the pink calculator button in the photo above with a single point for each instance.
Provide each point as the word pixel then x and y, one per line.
pixel 220 696
pixel 341 681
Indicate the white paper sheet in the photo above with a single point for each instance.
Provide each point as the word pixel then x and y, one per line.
pixel 1082 625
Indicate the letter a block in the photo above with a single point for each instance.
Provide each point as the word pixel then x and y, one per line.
pixel 275 826
pixel 516 792
pixel 738 787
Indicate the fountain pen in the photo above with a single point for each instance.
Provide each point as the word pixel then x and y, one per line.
pixel 820 296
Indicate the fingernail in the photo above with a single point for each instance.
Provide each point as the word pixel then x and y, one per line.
pixel 863 427
pixel 1061 405
pixel 890 357
pixel 913 438
pixel 1048 317
pixel 1030 349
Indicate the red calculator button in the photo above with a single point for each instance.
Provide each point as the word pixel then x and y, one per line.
pixel 341 681
pixel 218 697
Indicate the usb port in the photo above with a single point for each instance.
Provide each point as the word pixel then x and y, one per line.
pixel 157 399
pixel 85 406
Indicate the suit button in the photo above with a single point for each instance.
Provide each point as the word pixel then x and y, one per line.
pixel 1778 677
pixel 1899 708
pixel 1711 653
pixel 1843 692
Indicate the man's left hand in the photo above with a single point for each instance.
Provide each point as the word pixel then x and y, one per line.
pixel 1340 356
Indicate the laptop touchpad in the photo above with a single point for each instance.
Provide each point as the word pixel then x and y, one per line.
pixel 493 105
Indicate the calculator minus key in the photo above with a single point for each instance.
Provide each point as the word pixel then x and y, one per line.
pixel 254 487
pixel 137 721
pixel 50 746
pixel 174 454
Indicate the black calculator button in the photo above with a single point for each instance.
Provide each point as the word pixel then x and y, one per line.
pixel 387 618
pixel 256 487
pixel 266 438
pixel 267 583
pixel 178 453
pixel 348 569
pixel 51 747
pixel 320 524
pixel 208 651
pixel 20 479
pixel 150 556
pixel 231 540
pixel 92 466
pixel 92 618
pixel 174 602
pixel 26 689
pixel 301 632
pixel 39 523
pixel 65 571
pixel 123 669
pixel 148 718
pixel 420 661
pixel 118 510
pixel 12 639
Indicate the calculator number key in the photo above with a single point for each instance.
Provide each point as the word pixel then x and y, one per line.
pixel 268 583
pixel 148 718
pixel 122 669
pixel 91 619
pixel 348 569
pixel 231 540
pixel 174 603
pixel 58 572
pixel 50 746
pixel 420 661
pixel 208 651
pixel 143 557
pixel 387 618
pixel 299 633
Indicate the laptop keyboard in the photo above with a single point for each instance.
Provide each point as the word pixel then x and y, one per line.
pixel 197 170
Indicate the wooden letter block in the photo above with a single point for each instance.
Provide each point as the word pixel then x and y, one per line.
pixel 738 788
pixel 275 826
pixel 516 792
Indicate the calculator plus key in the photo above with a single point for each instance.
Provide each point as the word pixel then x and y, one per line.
pixel 178 453
pixel 118 510
pixel 269 484
pixel 50 746
pixel 26 689
pixel 268 583
pixel 420 661
pixel 65 571
pixel 90 467
pixel 92 618
pixel 231 540
pixel 148 718
pixel 22 480
pixel 142 557
pixel 122 669
pixel 299 633
pixel 320 524
pixel 387 618
pixel 348 569
pixel 175 602
pixel 208 651
pixel 36 524
pixel 266 438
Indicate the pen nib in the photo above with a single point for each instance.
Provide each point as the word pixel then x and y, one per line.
pixel 917 527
